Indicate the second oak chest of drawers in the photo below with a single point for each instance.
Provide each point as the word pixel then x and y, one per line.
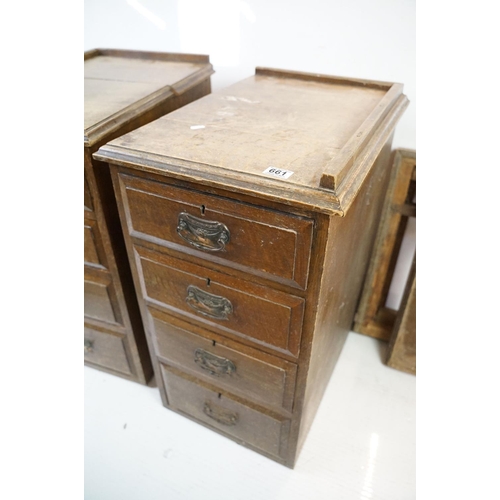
pixel 123 90
pixel 249 217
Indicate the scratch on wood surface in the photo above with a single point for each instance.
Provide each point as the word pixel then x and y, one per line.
pixel 239 99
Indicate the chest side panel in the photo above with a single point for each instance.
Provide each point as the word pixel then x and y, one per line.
pixel 346 259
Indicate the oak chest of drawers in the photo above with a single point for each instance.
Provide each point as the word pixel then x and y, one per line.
pixel 249 217
pixel 123 90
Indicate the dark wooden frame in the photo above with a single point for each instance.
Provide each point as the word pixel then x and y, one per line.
pixel 373 318
pixel 401 353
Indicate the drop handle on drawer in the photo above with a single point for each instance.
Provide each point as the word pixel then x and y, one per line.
pixel 219 414
pixel 88 346
pixel 208 304
pixel 215 365
pixel 203 234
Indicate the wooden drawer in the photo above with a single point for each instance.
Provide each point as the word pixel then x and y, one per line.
pixel 93 249
pixel 265 242
pixel 87 198
pixel 224 363
pixel 106 350
pixel 267 432
pixel 99 297
pixel 230 305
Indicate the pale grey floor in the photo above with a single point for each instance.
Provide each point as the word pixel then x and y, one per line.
pixel 361 444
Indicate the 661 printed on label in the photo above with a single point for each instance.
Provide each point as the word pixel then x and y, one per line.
pixel 278 172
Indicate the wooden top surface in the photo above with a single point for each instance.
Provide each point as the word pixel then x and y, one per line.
pixel 306 124
pixel 117 80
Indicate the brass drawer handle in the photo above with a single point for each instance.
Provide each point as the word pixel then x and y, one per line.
pixel 208 304
pixel 203 234
pixel 88 346
pixel 215 365
pixel 220 415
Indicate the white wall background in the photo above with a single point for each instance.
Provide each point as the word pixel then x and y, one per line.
pixel 373 39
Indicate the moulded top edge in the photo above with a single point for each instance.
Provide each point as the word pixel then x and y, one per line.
pixel 141 54
pixel 337 80
pixel 121 85
pixel 324 131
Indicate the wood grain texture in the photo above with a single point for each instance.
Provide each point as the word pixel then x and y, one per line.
pixel 120 86
pixel 90 252
pixel 260 315
pixel 346 257
pixel 91 255
pixel 260 430
pixel 153 211
pixel 208 140
pixel 123 90
pixel 373 317
pixel 211 172
pixel 402 350
pixel 87 197
pixel 263 378
pixel 98 301
pixel 106 349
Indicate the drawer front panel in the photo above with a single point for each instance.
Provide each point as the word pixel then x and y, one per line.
pixel 98 300
pixel 91 244
pixel 106 350
pixel 87 198
pixel 269 243
pixel 226 364
pixel 257 313
pixel 266 432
